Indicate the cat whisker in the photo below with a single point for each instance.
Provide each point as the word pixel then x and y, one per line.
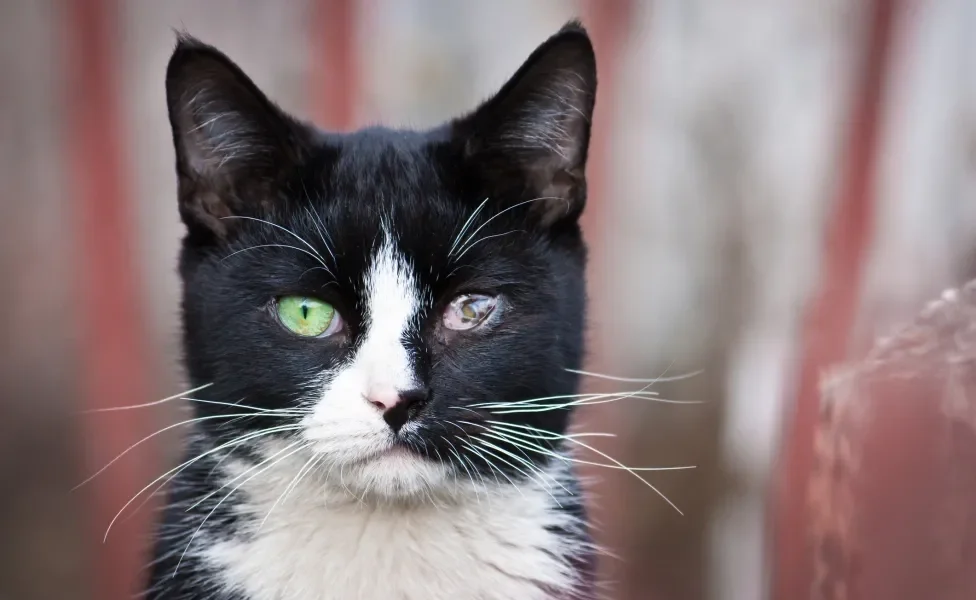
pixel 308 466
pixel 284 412
pixel 464 227
pixel 484 481
pixel 148 404
pixel 469 409
pixel 487 447
pixel 513 431
pixel 151 436
pixel 526 432
pixel 177 469
pixel 635 379
pixel 533 401
pixel 301 446
pixel 532 404
pixel 503 211
pixel 603 399
pixel 485 238
pixel 320 227
pixel 454 471
pixel 230 446
pixel 309 270
pixel 286 230
pixel 513 438
pixel 211 494
pixel 464 465
pixel 428 489
pixel 491 464
pixel 315 256
pixel 528 464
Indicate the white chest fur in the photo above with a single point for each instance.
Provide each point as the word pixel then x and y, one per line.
pixel 476 547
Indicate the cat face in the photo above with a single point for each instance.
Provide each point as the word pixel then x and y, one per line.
pixel 386 300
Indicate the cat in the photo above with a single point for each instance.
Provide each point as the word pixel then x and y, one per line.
pixel 383 328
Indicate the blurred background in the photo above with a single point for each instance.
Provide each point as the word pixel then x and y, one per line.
pixel 774 184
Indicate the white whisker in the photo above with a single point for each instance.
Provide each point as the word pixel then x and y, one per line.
pixel 184 465
pixel 229 446
pixel 322 230
pixel 294 483
pixel 301 445
pixel 315 256
pixel 528 464
pixel 532 401
pixel 482 239
pixel 503 211
pixel 491 464
pixel 601 399
pixel 148 404
pixel 512 428
pixel 258 411
pixel 464 465
pixel 486 446
pixel 464 228
pixel 151 436
pixel 286 230
pixel 635 379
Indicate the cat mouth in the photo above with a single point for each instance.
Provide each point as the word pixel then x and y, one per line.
pixel 398 449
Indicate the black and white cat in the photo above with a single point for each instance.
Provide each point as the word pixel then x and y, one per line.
pixel 387 324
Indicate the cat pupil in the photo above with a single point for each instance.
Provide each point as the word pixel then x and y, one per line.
pixel 304 310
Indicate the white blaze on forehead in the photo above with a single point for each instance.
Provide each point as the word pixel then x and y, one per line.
pixel 392 301
pixel 344 425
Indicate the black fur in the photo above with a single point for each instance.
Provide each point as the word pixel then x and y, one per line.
pixel 239 156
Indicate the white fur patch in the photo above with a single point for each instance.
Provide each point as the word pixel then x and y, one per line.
pixel 345 428
pixel 487 544
pixel 344 518
pixel 392 303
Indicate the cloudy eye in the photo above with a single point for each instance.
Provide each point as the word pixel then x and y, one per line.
pixel 307 317
pixel 468 311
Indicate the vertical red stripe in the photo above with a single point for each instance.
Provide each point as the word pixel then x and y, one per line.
pixel 607 22
pixel 113 360
pixel 832 313
pixel 334 82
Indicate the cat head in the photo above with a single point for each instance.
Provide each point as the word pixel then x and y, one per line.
pixel 408 306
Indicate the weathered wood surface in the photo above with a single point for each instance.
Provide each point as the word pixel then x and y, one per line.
pixel 893 491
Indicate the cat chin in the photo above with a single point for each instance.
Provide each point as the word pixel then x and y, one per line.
pixel 397 476
pixel 387 475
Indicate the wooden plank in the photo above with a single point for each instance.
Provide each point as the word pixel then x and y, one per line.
pixel 892 501
pixel 607 22
pixel 831 315
pixel 334 80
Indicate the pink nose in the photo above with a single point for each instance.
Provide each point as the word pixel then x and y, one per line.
pixel 384 399
pixel 397 407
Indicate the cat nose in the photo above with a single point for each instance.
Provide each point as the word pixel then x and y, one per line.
pixel 383 399
pixel 397 406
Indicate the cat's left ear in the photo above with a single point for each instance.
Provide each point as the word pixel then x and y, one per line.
pixel 531 139
pixel 232 143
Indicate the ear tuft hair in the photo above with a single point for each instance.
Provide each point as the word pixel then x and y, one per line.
pixel 537 127
pixel 229 138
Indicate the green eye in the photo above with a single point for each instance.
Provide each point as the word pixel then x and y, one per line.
pixel 307 317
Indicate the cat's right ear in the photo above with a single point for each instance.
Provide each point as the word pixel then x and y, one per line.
pixel 232 143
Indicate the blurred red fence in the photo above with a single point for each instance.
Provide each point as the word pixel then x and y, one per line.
pixel 875 488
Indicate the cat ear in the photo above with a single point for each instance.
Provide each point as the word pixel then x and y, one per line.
pixel 232 143
pixel 533 136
